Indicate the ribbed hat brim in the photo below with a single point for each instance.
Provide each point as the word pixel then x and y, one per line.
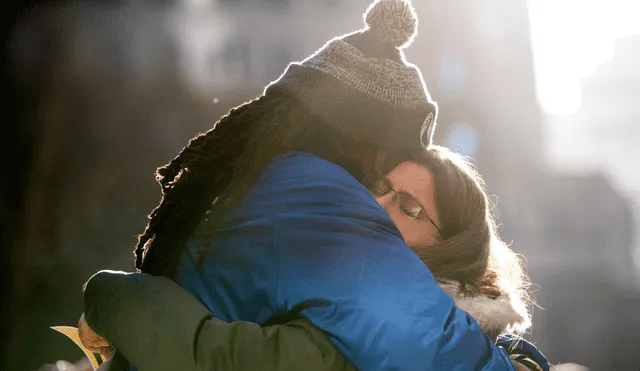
pixel 354 113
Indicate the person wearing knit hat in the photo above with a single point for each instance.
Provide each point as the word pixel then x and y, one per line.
pixel 362 85
pixel 264 217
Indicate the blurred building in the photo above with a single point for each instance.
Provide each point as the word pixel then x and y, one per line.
pixel 476 58
pixel 591 226
pixel 583 273
pixel 234 43
pixel 605 132
pixel 592 222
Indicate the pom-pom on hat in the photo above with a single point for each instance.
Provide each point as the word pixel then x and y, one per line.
pixel 361 84
pixel 394 22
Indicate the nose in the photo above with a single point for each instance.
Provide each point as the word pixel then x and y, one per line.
pixel 386 201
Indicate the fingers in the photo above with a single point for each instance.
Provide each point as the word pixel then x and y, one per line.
pixel 89 338
pixel 107 353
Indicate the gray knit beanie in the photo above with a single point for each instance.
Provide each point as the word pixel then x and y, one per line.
pixel 362 85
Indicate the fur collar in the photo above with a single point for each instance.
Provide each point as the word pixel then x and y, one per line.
pixel 494 316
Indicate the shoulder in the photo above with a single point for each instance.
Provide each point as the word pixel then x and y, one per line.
pixel 310 196
pixel 306 183
pixel 305 198
pixel 307 167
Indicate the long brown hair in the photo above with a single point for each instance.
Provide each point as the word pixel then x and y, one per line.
pixel 470 251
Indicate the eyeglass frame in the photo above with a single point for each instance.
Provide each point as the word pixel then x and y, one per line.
pixel 396 199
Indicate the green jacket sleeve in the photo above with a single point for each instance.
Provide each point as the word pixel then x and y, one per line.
pixel 156 325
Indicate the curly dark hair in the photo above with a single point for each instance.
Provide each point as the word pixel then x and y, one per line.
pixel 216 168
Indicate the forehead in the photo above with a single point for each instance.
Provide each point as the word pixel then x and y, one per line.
pixel 416 180
pixel 411 174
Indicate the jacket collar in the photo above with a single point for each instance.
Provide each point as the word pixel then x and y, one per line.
pixel 494 316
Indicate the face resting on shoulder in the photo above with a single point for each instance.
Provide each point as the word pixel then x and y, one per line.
pixel 407 193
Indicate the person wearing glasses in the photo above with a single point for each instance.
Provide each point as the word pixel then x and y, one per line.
pixel 454 244
pixel 265 219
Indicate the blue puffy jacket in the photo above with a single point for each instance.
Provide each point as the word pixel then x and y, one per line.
pixel 309 239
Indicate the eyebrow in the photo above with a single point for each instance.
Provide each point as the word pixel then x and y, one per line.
pixel 411 192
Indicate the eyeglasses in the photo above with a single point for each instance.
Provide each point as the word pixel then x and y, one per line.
pixel 408 205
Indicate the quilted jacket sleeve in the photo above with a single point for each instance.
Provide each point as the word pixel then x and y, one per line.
pixel 156 325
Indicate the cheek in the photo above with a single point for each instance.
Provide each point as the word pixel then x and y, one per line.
pixel 409 233
pixel 413 233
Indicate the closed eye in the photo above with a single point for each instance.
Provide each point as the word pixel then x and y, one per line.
pixel 411 208
pixel 408 205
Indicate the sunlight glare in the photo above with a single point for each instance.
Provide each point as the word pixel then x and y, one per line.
pixel 570 38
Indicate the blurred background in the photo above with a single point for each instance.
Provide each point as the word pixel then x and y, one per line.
pixel 543 94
